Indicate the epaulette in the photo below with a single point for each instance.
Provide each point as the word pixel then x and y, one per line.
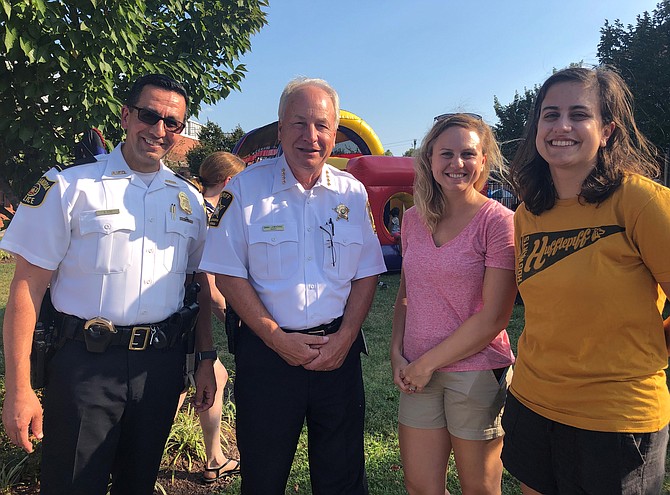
pixel 187 180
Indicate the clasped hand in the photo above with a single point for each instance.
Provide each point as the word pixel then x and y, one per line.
pixel 314 353
pixel 411 377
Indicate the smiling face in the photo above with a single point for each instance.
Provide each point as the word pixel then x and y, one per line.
pixel 307 131
pixel 457 160
pixel 145 144
pixel 570 129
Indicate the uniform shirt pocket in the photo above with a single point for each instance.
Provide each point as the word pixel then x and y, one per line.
pixel 179 232
pixel 348 245
pixel 273 251
pixel 105 242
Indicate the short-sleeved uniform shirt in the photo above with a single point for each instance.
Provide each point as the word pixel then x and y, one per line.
pixel 119 249
pixel 300 249
pixel 593 350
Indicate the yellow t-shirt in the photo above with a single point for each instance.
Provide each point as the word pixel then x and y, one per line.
pixel 593 351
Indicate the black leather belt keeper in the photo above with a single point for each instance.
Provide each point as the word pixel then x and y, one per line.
pixel 99 333
pixel 325 329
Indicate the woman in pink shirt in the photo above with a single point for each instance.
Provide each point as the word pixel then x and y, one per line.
pixel 450 352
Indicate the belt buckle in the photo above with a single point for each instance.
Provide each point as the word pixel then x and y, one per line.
pixel 136 332
pixel 321 332
pixel 99 321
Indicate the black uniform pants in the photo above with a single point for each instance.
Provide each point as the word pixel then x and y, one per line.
pixel 273 399
pixel 108 413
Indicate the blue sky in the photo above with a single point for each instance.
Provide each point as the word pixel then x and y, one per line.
pixel 397 64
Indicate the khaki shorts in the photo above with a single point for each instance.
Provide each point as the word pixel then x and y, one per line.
pixel 468 403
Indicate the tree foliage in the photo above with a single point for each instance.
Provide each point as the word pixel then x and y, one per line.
pixel 66 65
pixel 512 120
pixel 211 139
pixel 641 53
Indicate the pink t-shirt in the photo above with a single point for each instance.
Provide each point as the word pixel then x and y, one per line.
pixel 444 285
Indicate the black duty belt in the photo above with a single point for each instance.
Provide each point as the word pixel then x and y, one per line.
pixel 325 329
pixel 135 338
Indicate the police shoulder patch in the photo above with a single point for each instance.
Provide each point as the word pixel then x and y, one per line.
pixel 225 200
pixel 38 192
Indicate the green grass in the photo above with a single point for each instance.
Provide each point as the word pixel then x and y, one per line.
pixel 383 466
pixel 185 442
pixel 381 439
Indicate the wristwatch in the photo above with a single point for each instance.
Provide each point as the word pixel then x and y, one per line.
pixel 199 356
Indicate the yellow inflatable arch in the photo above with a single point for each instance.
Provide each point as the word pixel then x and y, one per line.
pixel 354 138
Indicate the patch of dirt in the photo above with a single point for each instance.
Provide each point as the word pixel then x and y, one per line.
pixel 184 482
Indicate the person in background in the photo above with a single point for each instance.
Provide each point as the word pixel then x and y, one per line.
pixel 450 353
pixel 295 253
pixel 394 221
pixel 589 405
pixel 215 172
pixel 119 239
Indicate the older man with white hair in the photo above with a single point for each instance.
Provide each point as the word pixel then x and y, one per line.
pixel 295 253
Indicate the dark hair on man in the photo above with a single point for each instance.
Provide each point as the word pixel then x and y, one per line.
pixel 627 150
pixel 159 81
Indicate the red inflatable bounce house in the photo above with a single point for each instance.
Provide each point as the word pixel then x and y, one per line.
pixel 388 181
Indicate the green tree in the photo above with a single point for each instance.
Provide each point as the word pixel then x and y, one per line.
pixel 388 153
pixel 512 120
pixel 211 139
pixel 65 66
pixel 641 53
pixel 410 152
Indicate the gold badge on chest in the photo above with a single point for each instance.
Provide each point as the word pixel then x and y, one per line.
pixel 342 211
pixel 184 203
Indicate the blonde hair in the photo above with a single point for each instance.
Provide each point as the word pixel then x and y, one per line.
pixel 428 196
pixel 218 166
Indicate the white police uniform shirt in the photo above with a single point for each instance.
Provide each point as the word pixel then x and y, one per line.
pixel 267 229
pixel 120 249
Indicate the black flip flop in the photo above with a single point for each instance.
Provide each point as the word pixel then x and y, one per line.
pixel 220 472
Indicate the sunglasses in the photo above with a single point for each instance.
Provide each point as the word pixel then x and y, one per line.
pixel 150 117
pixel 447 115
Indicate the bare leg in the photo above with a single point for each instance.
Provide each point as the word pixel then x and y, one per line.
pixel 479 465
pixel 210 421
pixel 182 398
pixel 526 490
pixel 425 454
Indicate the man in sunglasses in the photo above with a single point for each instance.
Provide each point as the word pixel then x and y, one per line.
pixel 116 240
pixel 296 256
